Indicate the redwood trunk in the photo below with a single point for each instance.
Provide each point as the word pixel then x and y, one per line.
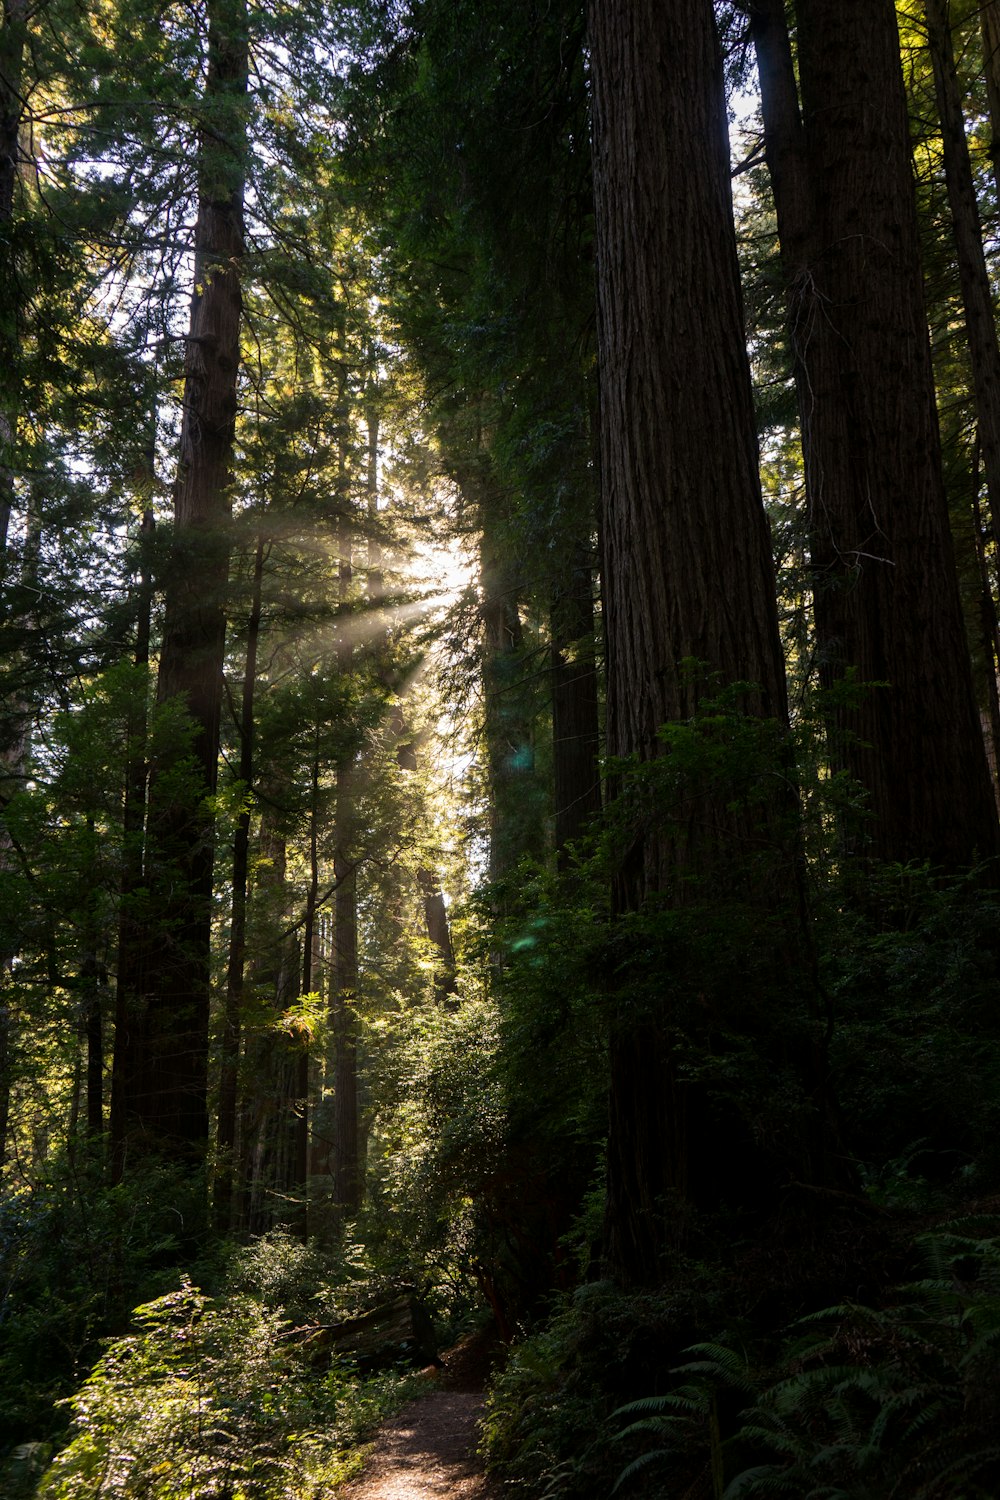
pixel 886 595
pixel 688 574
pixel 165 1104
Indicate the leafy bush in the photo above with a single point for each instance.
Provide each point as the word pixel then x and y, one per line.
pixel 74 1257
pixel 213 1398
pixel 548 1423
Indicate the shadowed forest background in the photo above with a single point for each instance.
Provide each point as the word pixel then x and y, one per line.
pixel 499 732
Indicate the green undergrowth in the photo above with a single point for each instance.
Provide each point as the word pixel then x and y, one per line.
pixel 898 1400
pixel 222 1397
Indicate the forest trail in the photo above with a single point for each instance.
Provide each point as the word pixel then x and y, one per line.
pixel 427 1451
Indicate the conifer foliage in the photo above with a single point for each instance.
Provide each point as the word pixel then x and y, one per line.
pixel 498 737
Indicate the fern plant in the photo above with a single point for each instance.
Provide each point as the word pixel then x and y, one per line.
pixel 901 1403
pixel 685 1420
pixel 893 1403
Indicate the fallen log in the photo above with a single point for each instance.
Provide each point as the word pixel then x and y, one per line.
pixel 395 1332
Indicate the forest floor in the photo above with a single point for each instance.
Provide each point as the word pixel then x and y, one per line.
pixel 428 1450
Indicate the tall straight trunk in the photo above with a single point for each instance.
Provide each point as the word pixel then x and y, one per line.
pixel 988 633
pixel 438 933
pixel 517 805
pixel 345 1164
pixel 345 1157
pixel 300 1110
pixel 133 920
pixel 93 984
pixel 974 280
pixel 376 579
pixel 886 594
pixel 165 1105
pixel 236 966
pixel 980 318
pixel 265 1128
pixel 989 18
pixel 575 729
pixel 688 574
pixel 13 39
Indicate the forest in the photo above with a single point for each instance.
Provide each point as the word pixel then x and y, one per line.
pixel 499 742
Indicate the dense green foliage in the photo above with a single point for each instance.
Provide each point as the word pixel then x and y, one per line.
pixel 420 961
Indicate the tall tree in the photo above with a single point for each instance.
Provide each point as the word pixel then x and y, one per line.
pixel 885 589
pixel 163 1073
pixel 688 575
pixel 13 39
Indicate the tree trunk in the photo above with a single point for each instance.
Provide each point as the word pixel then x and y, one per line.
pixel 345 1159
pixel 517 811
pixel 575 732
pixel 13 37
pixel 688 574
pixel 133 921
pixel 438 933
pixel 236 967
pixel 886 596
pixel 165 1102
pixel 300 1180
pixel 266 1133
pixel 980 321
pixel 989 15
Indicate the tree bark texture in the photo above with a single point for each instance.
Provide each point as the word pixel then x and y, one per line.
pixel 688 573
pixel 165 1104
pixel 885 588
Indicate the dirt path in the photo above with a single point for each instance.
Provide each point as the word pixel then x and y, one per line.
pixel 427 1452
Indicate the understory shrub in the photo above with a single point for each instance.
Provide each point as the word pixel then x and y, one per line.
pixel 548 1426
pixel 900 1402
pixel 220 1397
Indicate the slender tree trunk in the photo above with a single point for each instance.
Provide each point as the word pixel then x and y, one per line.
pixel 302 1071
pixel 977 296
pixel 688 574
pixel 980 319
pixel 376 579
pixel 517 805
pixel 133 921
pixel 989 16
pixel 93 984
pixel 346 1163
pixel 263 1101
pixel 345 1158
pixel 575 731
pixel 13 37
pixel 236 967
pixel 165 1103
pixel 438 933
pixel 886 594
